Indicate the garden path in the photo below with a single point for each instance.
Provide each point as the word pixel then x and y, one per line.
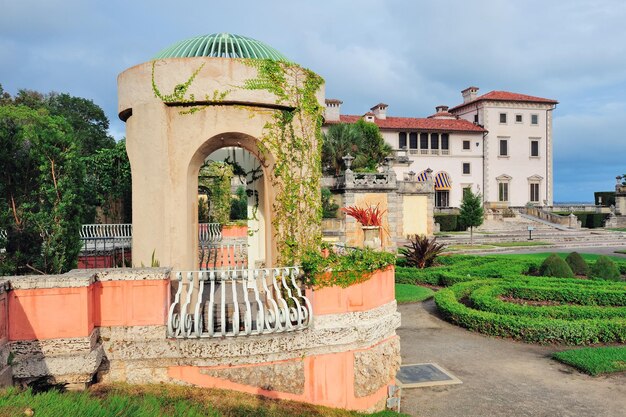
pixel 500 377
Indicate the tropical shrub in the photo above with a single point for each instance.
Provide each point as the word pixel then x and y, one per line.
pixel 605 268
pixel 555 266
pixel 421 252
pixel 577 263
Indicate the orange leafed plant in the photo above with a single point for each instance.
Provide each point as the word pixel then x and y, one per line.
pixel 368 216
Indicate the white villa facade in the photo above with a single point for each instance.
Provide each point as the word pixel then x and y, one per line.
pixel 498 144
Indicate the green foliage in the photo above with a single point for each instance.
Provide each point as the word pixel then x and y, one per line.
pixel 109 182
pixel 362 140
pixel 577 263
pixel 421 252
pixel 472 214
pixel 597 317
pixel 595 360
pixel 214 181
pixel 329 207
pixel 239 205
pixel 555 266
pixel 605 268
pixel 343 270
pixel 608 198
pixel 449 222
pixel 41 191
pixel 407 293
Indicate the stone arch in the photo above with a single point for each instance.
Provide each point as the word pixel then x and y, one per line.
pixel 249 143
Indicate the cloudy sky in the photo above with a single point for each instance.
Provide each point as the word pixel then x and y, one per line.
pixel 412 55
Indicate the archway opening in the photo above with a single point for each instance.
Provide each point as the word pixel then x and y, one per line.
pixel 231 217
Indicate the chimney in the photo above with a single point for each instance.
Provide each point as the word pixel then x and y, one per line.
pixel 380 111
pixel 469 94
pixel 333 110
pixel 369 117
pixel 441 109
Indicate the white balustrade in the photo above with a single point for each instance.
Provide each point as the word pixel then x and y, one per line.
pixel 237 302
pixel 122 230
pixel 209 232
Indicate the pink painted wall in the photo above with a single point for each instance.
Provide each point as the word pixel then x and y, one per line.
pixel 375 292
pixel 54 313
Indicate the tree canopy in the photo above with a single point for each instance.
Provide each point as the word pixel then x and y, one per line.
pixel 362 140
pixel 41 191
pixel 471 211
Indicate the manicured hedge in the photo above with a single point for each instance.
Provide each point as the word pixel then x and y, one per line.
pixel 588 219
pixel 571 324
pixel 608 198
pixel 449 222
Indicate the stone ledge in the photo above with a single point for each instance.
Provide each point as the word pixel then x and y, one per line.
pixel 73 279
pixel 132 274
pixel 52 347
pixel 71 368
pixel 254 349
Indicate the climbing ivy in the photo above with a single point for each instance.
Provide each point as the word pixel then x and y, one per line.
pixel 292 137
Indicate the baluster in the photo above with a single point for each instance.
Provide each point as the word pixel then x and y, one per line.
pixel 307 308
pixel 223 302
pixel 247 315
pixel 186 325
pixel 235 303
pixel 173 319
pixel 198 310
pixel 211 306
pixel 294 312
pixel 283 317
pixel 260 313
pixel 272 310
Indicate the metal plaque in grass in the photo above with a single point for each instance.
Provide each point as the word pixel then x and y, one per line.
pixel 425 375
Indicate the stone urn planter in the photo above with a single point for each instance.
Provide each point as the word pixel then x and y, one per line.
pixel 371 237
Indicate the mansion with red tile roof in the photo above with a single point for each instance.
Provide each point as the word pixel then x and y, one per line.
pixel 498 144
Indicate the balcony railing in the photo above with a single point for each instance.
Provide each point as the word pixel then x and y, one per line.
pixel 237 302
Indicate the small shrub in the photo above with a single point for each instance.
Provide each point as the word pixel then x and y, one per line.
pixel 605 268
pixel 448 222
pixel 555 266
pixel 421 251
pixel 577 263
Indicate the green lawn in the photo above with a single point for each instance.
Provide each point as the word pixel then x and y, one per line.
pixel 409 293
pixel 595 360
pixel 618 229
pixel 156 401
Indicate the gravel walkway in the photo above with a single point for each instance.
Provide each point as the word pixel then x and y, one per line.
pixel 500 377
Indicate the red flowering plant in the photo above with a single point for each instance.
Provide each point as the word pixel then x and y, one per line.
pixel 368 216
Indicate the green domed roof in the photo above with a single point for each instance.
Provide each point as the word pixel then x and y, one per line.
pixel 221 45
